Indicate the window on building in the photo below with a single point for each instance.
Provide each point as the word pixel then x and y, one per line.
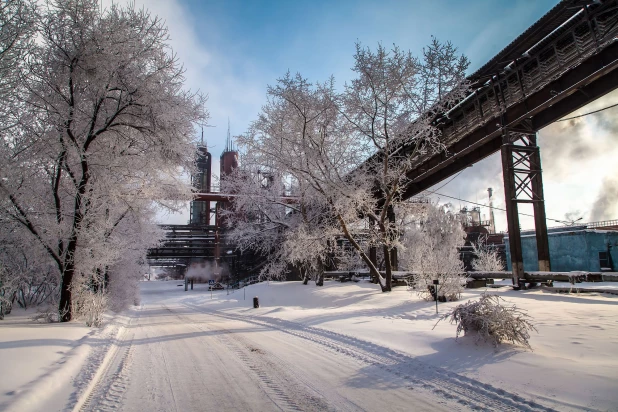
pixel 604 261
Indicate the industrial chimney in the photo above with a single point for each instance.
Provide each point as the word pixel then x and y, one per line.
pixel 492 222
pixel 201 180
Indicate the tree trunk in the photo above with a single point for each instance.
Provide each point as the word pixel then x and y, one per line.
pixel 106 278
pixel 388 269
pixel 372 269
pixel 320 279
pixel 64 307
pixel 65 304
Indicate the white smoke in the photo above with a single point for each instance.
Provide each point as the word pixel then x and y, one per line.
pixel 605 206
pixel 206 270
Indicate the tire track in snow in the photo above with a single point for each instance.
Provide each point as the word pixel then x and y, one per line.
pixel 265 374
pixel 273 377
pixel 167 369
pixel 111 379
pixel 467 392
pixel 107 393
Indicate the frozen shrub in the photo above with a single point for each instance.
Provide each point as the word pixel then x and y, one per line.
pixel 89 306
pixel 449 289
pixel 47 315
pixel 486 258
pixel 430 251
pixel 491 320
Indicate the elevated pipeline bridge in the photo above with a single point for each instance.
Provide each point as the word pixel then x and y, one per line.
pixel 184 245
pixel 564 61
pixel 186 242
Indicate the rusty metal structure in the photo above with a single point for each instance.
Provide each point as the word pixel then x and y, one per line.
pixel 562 62
pixel 200 240
pixel 199 213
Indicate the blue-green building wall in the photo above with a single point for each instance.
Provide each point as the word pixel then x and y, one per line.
pixel 569 250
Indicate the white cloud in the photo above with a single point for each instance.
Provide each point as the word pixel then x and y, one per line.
pixel 230 84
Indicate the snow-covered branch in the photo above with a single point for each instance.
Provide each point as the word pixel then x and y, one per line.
pixel 104 128
pixel 344 155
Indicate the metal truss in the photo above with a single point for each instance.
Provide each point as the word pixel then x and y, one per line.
pixel 525 165
pixel 523 183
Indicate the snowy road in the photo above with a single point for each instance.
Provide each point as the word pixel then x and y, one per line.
pixel 175 356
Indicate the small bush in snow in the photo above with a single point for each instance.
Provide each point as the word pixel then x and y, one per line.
pixel 450 287
pixel 89 306
pixel 47 315
pixel 490 320
pixel 430 250
pixel 486 258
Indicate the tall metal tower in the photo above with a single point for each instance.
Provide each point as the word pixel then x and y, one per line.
pixel 229 157
pixel 201 181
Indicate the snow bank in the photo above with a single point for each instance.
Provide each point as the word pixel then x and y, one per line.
pixel 31 353
pixel 44 365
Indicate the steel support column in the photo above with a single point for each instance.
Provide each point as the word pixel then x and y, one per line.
pixel 218 224
pixel 512 215
pixel 540 219
pixel 373 251
pixel 523 183
pixel 393 252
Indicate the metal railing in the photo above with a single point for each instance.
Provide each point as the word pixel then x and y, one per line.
pixel 604 223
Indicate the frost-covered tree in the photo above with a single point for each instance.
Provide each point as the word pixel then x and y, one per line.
pixel 347 154
pixel 432 252
pixel 17 20
pixel 390 106
pixel 486 258
pixel 277 219
pixel 104 129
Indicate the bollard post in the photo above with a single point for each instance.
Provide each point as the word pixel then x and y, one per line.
pixel 186 284
pixel 191 284
pixel 436 282
pixel 256 302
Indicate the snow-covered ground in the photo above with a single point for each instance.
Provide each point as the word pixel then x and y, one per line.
pixel 339 347
pixel 573 364
pixel 44 366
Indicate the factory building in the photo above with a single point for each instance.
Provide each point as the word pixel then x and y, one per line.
pixel 590 248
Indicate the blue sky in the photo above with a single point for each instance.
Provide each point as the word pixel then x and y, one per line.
pixel 233 49
pixel 254 42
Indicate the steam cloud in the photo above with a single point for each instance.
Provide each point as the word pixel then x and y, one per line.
pixel 604 207
pixel 206 270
